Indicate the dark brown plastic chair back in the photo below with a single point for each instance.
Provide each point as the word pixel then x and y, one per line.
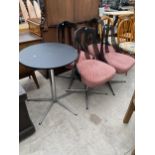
pixel 84 37
pixel 108 29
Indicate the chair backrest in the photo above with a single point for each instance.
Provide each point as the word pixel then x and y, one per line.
pixel 121 17
pixel 65 32
pixel 31 9
pixel 24 10
pixel 108 34
pixel 84 37
pixel 107 25
pixel 37 9
pixel 125 31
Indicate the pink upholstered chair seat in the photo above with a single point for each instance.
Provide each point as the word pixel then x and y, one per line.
pixel 121 62
pixel 94 73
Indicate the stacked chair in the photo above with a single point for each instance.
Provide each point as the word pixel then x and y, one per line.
pixel 92 71
pixel 126 34
pixel 125 30
pixel 98 61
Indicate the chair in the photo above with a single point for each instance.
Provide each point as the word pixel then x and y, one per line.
pixel 126 35
pixel 125 31
pixel 121 17
pixel 92 72
pixel 121 62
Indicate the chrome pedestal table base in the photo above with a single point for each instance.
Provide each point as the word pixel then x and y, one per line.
pixel 54 98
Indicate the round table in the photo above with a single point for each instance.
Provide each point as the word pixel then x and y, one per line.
pixel 48 56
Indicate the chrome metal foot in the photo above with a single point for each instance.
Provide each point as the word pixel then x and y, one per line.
pixel 76 90
pixel 121 81
pixel 66 77
pixel 66 108
pixel 39 99
pixel 111 88
pixel 46 113
pixel 86 97
pixel 97 92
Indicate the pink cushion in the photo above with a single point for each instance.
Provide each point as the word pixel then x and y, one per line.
pixel 121 62
pixel 94 72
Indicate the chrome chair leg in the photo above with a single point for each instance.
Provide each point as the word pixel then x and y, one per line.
pixel 109 84
pixel 118 81
pixel 86 97
pixel 86 90
pixel 72 78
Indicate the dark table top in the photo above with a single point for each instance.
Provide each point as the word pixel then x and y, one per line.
pixel 47 55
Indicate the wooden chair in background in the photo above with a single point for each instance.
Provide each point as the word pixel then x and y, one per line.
pixel 29 10
pixel 125 31
pixel 29 33
pixel 126 35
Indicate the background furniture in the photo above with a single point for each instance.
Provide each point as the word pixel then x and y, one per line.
pixel 26 39
pixel 26 127
pixel 55 12
pixel 129 113
pixel 34 26
pixel 31 9
pixel 130 110
pixel 125 30
pixel 116 14
pixel 48 56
